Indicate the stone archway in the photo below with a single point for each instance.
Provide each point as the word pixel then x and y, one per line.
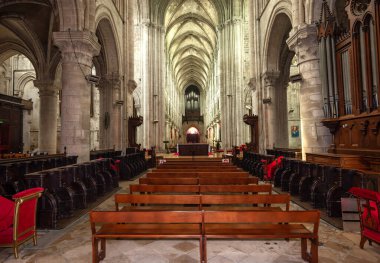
pixel 107 67
pixel 275 80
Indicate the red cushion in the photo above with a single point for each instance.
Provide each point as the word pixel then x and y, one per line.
pixel 6 213
pixel 365 193
pixel 28 192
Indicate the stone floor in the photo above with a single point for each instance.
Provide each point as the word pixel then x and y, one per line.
pixel 73 244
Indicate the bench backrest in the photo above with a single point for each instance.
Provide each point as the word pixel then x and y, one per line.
pixel 146 188
pixel 221 181
pixel 275 217
pixel 200 181
pixel 169 181
pixel 201 189
pixel 200 200
pixel 197 174
pixel 145 217
pixel 268 200
pixel 252 188
pixel 180 168
pixel 156 200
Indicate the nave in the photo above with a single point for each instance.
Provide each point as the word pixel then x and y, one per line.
pixel 73 244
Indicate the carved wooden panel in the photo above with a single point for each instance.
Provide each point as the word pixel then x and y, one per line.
pixel 11 124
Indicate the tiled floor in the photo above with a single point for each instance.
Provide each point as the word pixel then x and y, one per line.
pixel 74 245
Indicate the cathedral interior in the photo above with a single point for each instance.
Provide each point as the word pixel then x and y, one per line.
pixel 130 80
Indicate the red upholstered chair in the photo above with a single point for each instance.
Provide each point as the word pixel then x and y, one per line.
pixel 271 168
pixel 18 219
pixel 369 212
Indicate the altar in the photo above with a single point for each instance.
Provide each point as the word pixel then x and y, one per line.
pixel 193 149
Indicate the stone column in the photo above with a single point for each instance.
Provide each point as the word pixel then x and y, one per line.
pixel 315 137
pixel 110 106
pixel 77 49
pixel 269 101
pixel 153 67
pixel 47 136
pixel 295 12
pixel 231 35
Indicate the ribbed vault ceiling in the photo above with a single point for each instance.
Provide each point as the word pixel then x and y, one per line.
pixel 191 40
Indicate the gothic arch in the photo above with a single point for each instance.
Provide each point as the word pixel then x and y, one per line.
pixel 23 80
pixel 109 54
pixel 20 33
pixel 279 27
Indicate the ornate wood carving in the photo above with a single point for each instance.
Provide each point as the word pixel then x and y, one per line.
pixel 253 121
pixel 133 123
pixel 355 131
pixel 332 125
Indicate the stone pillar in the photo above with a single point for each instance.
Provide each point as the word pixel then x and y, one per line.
pixel 232 84
pixel 295 12
pixel 315 137
pixel 110 106
pixel 77 49
pixel 153 107
pixel 269 101
pixel 47 136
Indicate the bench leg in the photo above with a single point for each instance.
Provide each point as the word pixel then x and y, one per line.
pixel 314 250
pixel 204 248
pixel 362 241
pixel 95 257
pixel 304 253
pixel 102 253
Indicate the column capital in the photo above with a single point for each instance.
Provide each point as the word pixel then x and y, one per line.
pixel 270 78
pixel 77 46
pixel 45 87
pixel 304 42
pixel 110 80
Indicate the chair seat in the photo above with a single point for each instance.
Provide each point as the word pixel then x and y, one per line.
pixel 6 213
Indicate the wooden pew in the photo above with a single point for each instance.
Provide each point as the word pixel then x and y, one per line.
pixel 198 168
pixel 157 202
pixel 201 189
pixel 165 189
pixel 197 175
pixel 201 202
pixel 251 188
pixel 263 225
pixel 200 181
pixel 197 164
pixel 143 225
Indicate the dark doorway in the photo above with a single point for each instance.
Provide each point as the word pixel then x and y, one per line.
pixel 192 135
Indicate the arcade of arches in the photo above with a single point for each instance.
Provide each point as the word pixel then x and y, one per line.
pixel 146 56
pixel 192 71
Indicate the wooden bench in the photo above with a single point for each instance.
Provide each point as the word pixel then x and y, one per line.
pixel 143 225
pixel 194 167
pixel 201 202
pixel 200 189
pixel 204 225
pixel 197 174
pixel 263 225
pixel 199 181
